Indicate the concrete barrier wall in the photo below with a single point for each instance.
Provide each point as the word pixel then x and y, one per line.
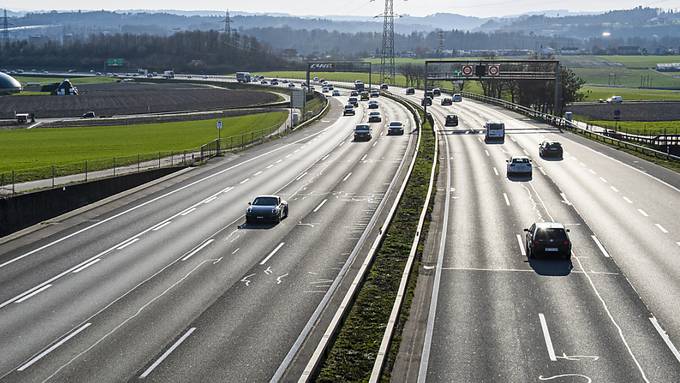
pixel 630 111
pixel 28 209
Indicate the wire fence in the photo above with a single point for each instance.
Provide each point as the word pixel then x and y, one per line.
pixel 613 138
pixel 20 181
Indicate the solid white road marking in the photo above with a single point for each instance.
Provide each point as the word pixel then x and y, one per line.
pixel 614 189
pixel 321 204
pixel 507 201
pixel 627 199
pixel 187 211
pixel 227 189
pixel 324 157
pixel 521 245
pixel 272 253
pixel 301 176
pixel 207 201
pixel 167 353
pixel 196 250
pixel 31 295
pixel 599 246
pixel 162 225
pixel 665 338
pixel 663 229
pixel 53 347
pixel 347 176
pixel 643 212
pixel 244 181
pixel 126 244
pixel 546 335
pixel 495 171
pixel 85 266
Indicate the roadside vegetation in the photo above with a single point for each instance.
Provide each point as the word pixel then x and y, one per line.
pixel 352 354
pixel 22 149
pixel 641 127
pixel 595 93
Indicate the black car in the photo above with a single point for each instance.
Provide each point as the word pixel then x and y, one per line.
pixel 436 92
pixel 349 110
pixel 550 149
pixel 384 86
pixel 354 93
pixel 89 114
pixel 426 101
pixel 451 120
pixel 410 91
pixel 373 104
pixel 547 238
pixel 267 208
pixel 362 132
pixel 446 101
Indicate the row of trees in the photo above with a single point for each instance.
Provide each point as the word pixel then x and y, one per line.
pixel 196 51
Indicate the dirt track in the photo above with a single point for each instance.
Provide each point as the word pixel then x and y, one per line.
pixel 133 98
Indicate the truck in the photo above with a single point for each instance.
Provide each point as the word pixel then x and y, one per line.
pixel 244 77
pixel 169 74
pixel 359 85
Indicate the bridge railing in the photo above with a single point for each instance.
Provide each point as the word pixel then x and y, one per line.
pixel 560 122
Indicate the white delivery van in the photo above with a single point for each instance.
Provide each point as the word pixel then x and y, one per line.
pixel 495 131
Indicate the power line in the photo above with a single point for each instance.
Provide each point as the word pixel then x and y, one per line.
pixel 5 29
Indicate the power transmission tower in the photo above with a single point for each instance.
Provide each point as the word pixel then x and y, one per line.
pixel 440 47
pixel 227 25
pixel 387 67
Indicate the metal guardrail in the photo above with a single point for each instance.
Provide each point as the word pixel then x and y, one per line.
pixel 561 122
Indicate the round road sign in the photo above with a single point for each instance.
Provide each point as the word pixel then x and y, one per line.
pixel 494 70
pixel 467 70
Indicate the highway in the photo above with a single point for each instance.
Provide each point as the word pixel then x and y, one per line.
pixel 169 284
pixel 493 315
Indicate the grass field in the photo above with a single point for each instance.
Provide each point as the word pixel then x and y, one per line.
pixel 26 149
pixel 594 93
pixel 641 127
pixel 74 80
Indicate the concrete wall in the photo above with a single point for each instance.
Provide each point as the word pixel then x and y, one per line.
pixel 25 210
pixel 630 111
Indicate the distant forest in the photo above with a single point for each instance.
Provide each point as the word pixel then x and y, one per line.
pixel 197 51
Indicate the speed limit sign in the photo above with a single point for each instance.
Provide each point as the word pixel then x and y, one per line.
pixel 467 70
pixel 494 70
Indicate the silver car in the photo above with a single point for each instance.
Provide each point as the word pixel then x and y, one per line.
pixel 519 165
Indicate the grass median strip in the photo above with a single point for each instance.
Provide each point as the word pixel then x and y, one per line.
pixel 353 352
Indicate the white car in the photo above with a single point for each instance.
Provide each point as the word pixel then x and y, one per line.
pixel 395 128
pixel 519 165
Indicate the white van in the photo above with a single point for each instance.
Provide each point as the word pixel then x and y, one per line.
pixel 615 100
pixel 495 131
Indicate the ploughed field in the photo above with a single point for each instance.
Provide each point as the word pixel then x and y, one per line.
pixel 133 98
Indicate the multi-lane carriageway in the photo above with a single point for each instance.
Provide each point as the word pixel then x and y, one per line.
pixel 168 284
pixel 489 314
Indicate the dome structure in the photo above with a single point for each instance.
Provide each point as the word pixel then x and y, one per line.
pixel 9 84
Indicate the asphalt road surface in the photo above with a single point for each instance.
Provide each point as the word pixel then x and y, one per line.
pixel 497 316
pixel 170 285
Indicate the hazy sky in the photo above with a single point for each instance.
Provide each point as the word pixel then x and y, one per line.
pixel 482 8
